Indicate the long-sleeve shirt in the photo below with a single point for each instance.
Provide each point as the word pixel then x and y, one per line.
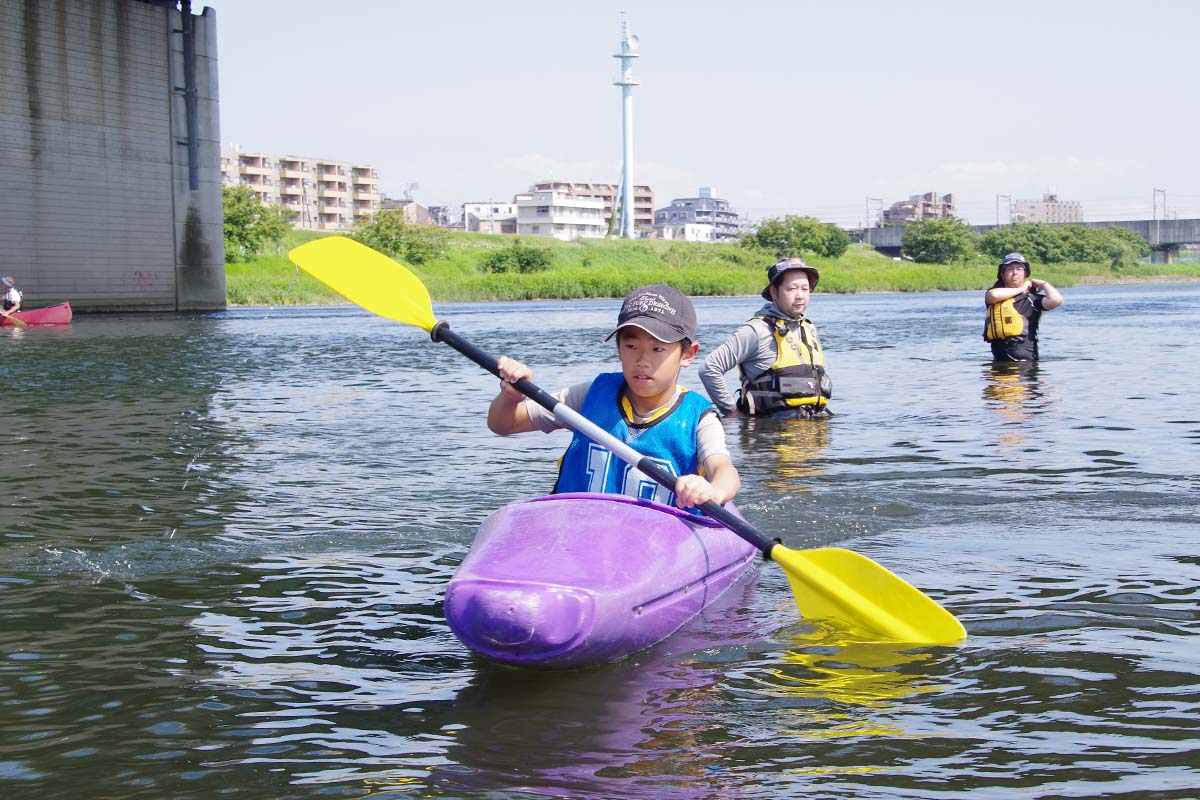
pixel 752 346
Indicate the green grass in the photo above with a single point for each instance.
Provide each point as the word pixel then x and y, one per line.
pixel 610 268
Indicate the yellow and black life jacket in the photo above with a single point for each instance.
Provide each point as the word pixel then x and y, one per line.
pixel 797 379
pixel 1003 321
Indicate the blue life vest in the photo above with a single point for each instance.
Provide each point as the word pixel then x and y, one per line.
pixel 670 440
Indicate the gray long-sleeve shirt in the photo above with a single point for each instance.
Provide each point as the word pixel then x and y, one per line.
pixel 752 345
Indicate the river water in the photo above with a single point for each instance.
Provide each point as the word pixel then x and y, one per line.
pixel 224 541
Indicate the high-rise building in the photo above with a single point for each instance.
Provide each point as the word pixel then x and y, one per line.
pixel 1048 209
pixel 324 194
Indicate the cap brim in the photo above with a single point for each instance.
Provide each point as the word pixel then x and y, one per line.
pixel 656 328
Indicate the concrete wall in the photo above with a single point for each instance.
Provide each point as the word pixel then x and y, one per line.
pixel 96 206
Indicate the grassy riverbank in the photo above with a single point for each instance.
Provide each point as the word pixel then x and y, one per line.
pixel 610 268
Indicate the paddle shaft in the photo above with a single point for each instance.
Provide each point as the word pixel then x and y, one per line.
pixel 577 422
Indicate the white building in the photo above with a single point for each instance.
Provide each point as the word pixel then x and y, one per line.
pixel 1048 209
pixel 490 217
pixel 685 232
pixel 561 215
pixel 704 210
pixel 643 198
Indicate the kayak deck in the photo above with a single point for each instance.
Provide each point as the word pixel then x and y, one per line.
pixel 575 579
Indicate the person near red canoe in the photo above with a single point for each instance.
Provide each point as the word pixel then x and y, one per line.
pixel 11 297
pixel 642 405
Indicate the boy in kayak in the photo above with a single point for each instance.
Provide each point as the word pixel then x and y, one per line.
pixel 11 297
pixel 643 405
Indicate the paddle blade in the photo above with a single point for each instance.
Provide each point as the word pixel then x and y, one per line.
pixel 367 278
pixel 832 583
pixel 16 323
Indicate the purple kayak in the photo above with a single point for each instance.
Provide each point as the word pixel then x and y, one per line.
pixel 570 580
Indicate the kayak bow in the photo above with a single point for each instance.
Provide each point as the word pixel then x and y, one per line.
pixel 571 580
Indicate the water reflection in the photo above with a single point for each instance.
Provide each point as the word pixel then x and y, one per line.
pixel 1011 391
pixel 630 728
pixel 225 541
pixel 795 449
pixel 647 727
pixel 833 673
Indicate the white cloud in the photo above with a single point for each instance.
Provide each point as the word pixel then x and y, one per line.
pixel 967 173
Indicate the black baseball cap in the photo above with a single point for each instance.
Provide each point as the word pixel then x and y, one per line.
pixel 662 311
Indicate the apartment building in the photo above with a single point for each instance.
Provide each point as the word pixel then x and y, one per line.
pixel 562 215
pixel 326 195
pixel 919 207
pixel 1048 209
pixel 490 217
pixel 695 212
pixel 643 199
pixel 414 213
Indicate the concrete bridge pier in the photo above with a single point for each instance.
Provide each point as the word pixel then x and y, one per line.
pixel 1164 254
pixel 110 181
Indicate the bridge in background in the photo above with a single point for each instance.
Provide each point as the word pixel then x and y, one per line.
pixel 1165 236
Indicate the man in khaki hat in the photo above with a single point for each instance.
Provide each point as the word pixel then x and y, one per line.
pixel 777 353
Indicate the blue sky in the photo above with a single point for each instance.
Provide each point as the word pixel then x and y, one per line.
pixel 782 107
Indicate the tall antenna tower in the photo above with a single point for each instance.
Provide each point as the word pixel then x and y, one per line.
pixel 629 51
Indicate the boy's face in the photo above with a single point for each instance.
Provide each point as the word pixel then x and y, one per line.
pixel 651 367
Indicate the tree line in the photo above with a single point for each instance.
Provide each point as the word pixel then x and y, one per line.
pixel 941 241
pixel 250 225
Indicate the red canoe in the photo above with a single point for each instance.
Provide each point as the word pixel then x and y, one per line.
pixel 50 315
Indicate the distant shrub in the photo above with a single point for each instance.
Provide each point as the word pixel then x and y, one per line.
pixel 939 241
pixel 518 258
pixel 793 236
pixel 389 232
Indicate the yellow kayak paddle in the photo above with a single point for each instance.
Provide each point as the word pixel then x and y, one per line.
pixel 828 583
